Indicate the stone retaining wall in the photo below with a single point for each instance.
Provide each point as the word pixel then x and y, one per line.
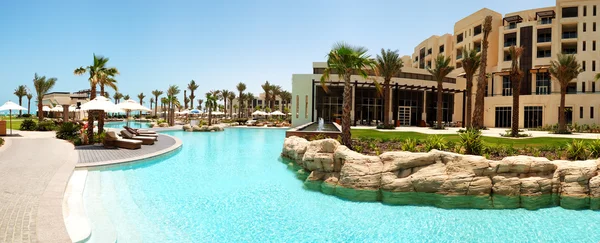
pixel 445 179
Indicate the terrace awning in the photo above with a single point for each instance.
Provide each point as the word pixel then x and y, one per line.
pixel 540 69
pixel 512 19
pixel 545 14
pixel 393 86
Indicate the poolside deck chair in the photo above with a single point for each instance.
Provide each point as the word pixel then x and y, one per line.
pixel 112 140
pixel 138 132
pixel 145 140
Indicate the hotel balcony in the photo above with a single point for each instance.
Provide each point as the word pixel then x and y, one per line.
pixel 544 41
pixel 569 36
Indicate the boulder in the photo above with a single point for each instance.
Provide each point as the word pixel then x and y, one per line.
pixel 470 164
pixel 506 186
pixel 187 128
pixel 393 161
pixel 163 124
pixel 358 170
pixel 319 155
pixel 196 128
pixel 294 148
pixel 429 179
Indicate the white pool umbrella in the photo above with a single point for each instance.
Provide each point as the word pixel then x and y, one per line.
pixel 131 105
pixel 100 103
pixel 57 108
pixel 277 113
pixel 257 113
pixel 10 106
pixel 46 108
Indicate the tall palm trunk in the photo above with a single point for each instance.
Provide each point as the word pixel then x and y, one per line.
pixel 90 128
pixel 469 101
pixel 20 104
pixel 101 113
pixel 515 109
pixel 28 106
pixel 439 104
pixel 477 121
pixel 347 108
pixel 386 103
pixel 225 105
pixel 40 111
pixel 210 116
pixel 562 123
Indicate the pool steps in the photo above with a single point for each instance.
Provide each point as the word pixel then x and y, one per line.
pixel 98 216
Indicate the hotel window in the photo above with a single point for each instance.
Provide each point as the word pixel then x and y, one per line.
pixel 593 66
pixel 591 112
pixel 572 88
pixel 441 49
pixel 297 106
pixel 503 116
pixel 544 35
pixel 584 11
pixel 581 112
pixel 544 53
pixel 594 26
pixel 593 87
pixel 542 84
pixel 570 12
pixel 584 26
pixel 594 10
pixel 506 86
pixel 533 116
pixel 477 30
pixel 306 107
pixel 429 51
pixel 582 87
pixel 583 66
pixel 459 38
pixel 593 45
pixel 584 45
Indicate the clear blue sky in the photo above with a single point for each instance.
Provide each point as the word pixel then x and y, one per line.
pixel 216 43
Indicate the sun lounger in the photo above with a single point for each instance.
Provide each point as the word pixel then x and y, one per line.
pixel 138 132
pixel 112 140
pixel 145 140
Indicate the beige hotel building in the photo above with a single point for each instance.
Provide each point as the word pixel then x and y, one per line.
pixel 572 26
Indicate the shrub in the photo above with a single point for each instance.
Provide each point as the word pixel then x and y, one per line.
pixel 28 125
pixel 389 126
pixel 26 115
pixel 45 126
pixel 576 150
pixel 68 131
pixel 99 137
pixel 471 142
pixel 241 121
pixel 594 149
pixel 409 145
pixel 1 141
pixel 435 142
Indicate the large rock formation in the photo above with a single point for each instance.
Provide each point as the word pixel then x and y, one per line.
pixel 195 128
pixel 445 179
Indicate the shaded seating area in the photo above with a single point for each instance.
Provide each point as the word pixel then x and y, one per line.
pixel 146 140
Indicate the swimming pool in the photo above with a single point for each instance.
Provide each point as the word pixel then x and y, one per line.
pixel 232 186
pixel 132 124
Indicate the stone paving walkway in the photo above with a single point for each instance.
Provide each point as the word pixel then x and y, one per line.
pixel 29 189
pixel 93 154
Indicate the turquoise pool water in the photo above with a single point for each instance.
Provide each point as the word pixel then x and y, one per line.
pixel 132 124
pixel 233 187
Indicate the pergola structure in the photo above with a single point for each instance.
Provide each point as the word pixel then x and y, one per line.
pixel 395 86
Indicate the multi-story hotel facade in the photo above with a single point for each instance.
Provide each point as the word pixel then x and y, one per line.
pixel 571 26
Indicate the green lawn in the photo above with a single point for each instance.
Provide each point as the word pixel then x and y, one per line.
pixel 16 122
pixel 521 142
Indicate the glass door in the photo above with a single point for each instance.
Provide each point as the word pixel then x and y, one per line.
pixel 404 115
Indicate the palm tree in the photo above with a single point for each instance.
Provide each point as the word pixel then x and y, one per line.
pixel 29 96
pixel 225 96
pixel 471 62
pixel 275 92
pixel 249 103
pixel 141 96
pixel 516 74
pixel 21 91
pixel 564 70
pixel 151 102
pixel 211 102
pixel 126 97
pixel 99 75
pixel 200 101
pixel 186 100
pixel 42 86
pixel 477 121
pixel 241 87
pixel 267 89
pixel 192 86
pixel 286 98
pixel 387 65
pixel 231 97
pixel 346 60
pixel 441 70
pixel 172 93
pixel 156 93
pixel 164 101
pixel 117 97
